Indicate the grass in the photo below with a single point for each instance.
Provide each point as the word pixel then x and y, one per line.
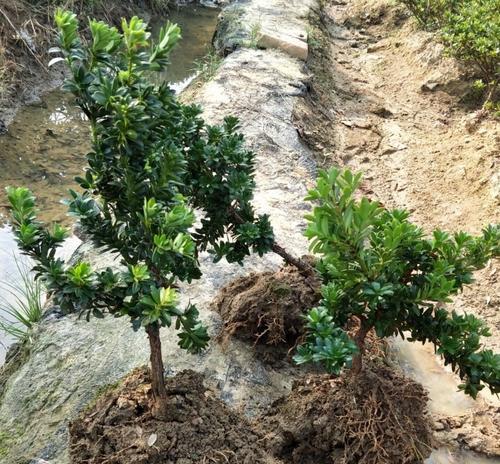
pixel 207 67
pixel 19 316
pixel 255 36
pixel 6 68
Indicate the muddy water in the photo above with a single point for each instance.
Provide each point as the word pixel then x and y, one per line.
pixel 45 146
pixel 444 456
pixel 420 363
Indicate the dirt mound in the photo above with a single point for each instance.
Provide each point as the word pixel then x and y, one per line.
pixel 119 428
pixel 379 419
pixel 267 309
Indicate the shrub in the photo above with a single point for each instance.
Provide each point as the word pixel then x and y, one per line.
pixel 153 161
pixel 471 33
pixel 429 13
pixel 379 268
pixel 470 30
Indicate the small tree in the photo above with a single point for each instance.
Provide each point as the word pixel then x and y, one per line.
pixel 153 161
pixel 379 268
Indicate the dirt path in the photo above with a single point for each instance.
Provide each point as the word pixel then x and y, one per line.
pixel 387 102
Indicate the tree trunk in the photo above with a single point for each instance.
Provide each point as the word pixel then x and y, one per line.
pixel 161 404
pixel 357 362
pixel 303 267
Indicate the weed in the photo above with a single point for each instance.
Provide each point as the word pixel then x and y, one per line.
pixel 207 66
pixel 313 37
pixel 19 316
pixel 255 36
pixel 494 107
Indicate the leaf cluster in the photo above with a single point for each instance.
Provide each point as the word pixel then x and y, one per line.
pixel 381 269
pixel 429 13
pixel 471 32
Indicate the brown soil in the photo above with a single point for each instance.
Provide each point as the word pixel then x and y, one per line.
pixel 267 309
pixel 120 429
pixel 379 418
pixel 386 101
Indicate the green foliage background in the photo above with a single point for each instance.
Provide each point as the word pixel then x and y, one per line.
pixel 470 30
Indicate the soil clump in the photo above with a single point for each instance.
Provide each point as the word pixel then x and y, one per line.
pixel 267 309
pixel 120 429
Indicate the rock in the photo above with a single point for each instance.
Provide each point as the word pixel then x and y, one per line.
pixel 437 426
pixel 293 46
pixel 381 111
pixel 429 86
pixel 34 100
pixel 279 24
pixel 12 351
pixel 360 123
pixel 27 39
pixel 375 47
pixel 394 139
pixel 495 186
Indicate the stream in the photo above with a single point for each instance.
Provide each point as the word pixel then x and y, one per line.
pixel 45 148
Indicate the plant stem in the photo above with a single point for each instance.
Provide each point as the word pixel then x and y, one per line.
pixel 157 379
pixel 304 268
pixel 300 264
pixel 357 362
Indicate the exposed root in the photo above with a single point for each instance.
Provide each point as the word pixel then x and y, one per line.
pixel 379 417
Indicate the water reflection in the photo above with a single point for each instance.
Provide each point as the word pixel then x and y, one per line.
pixel 64 114
pixel 423 365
